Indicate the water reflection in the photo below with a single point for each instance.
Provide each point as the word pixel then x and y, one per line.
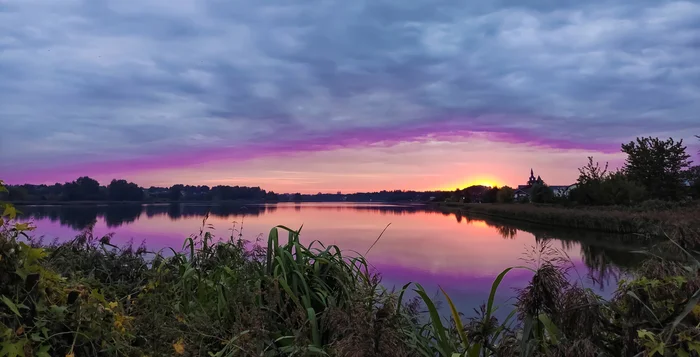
pixel 600 252
pixel 80 217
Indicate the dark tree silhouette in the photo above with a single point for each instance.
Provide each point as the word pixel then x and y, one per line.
pixel 657 165
pixel 121 190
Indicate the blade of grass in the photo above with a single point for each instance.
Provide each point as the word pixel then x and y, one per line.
pixel 437 325
pixel 457 319
pixel 377 240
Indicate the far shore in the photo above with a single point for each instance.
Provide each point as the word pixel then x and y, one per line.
pixel 232 202
pixel 68 203
pixel 677 222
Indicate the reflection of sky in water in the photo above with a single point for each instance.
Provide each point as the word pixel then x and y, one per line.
pixel 434 249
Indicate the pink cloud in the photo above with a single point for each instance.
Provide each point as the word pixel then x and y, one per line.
pixel 355 138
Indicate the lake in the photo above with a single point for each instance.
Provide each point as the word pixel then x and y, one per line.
pixel 461 254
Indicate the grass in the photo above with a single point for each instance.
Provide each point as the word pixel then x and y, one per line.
pixel 233 298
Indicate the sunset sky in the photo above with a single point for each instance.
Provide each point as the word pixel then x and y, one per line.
pixel 309 96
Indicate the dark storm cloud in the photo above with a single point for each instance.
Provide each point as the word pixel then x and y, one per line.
pixel 96 80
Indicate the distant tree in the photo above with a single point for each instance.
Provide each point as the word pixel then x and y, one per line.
pixel 82 189
pixel 121 190
pixel 271 197
pixel 176 192
pixel 657 165
pixel 505 195
pixel 297 197
pixel 541 193
pixel 490 195
pixel 17 193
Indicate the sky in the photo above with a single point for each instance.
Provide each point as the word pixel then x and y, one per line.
pixel 330 95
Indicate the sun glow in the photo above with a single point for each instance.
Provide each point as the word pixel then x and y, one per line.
pixel 475 181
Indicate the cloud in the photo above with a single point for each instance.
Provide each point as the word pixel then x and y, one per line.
pixel 126 85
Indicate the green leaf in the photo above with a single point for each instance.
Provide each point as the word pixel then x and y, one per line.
pixel 681 353
pixel 438 327
pixel 13 349
pixel 689 306
pixel 694 346
pixel 457 319
pixel 400 301
pixel 658 349
pixel 23 227
pixel 316 336
pixel 553 331
pixel 10 211
pixel 494 287
pixel 43 351
pixel 644 334
pixel 527 329
pixel 11 305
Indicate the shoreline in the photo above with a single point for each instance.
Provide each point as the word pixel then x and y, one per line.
pixel 241 202
pixel 600 219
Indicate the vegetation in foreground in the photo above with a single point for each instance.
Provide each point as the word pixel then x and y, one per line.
pixel 89 298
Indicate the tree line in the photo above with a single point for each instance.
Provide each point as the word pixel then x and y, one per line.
pixel 88 189
pixel 654 170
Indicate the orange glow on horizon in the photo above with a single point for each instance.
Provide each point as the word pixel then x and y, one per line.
pixel 488 181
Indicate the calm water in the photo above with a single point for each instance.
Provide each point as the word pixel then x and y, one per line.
pixel 461 254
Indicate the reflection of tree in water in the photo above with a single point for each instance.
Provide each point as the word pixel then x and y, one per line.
pixel 79 217
pixel 507 232
pixel 118 215
pixel 76 217
pixel 604 254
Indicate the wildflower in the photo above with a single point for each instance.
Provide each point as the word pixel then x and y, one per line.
pixel 113 304
pixel 179 346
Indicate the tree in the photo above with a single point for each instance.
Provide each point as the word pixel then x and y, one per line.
pixel 591 173
pixel 541 193
pixel 505 195
pixel 176 192
pixel 597 186
pixel 657 165
pixel 82 189
pixel 17 193
pixel 490 195
pixel 121 190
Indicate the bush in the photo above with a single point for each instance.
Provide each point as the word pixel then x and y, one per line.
pixel 541 193
pixel 505 195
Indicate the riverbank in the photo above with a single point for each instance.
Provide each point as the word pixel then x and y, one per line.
pixel 683 222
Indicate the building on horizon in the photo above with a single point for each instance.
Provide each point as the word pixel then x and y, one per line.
pixel 523 191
